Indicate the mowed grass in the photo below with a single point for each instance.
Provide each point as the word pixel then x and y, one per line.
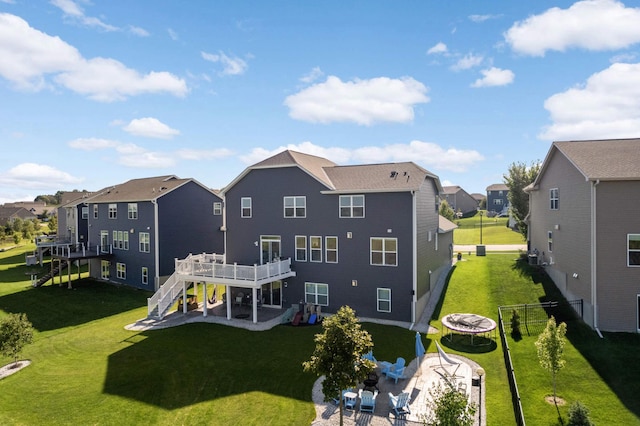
pixel 600 373
pixel 87 369
pixel 494 231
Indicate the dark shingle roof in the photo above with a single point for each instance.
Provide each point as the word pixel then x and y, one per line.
pixel 498 187
pixel 614 159
pixel 145 189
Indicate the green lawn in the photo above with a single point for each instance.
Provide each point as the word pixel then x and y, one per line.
pixel 87 369
pixel 601 373
pixel 494 231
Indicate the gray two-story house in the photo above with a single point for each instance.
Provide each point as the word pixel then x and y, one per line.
pixel 146 224
pixel 366 236
pixel 583 222
pixel 460 200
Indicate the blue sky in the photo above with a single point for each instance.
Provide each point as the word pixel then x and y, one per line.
pixel 93 93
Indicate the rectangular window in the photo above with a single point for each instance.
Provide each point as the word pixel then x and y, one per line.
pixel 352 206
pixel 145 275
pixel 550 241
pixel 384 300
pixel 121 271
pixel 301 248
pixel 554 199
pixel 120 239
pixel 317 294
pixel 132 210
pixel 331 249
pixel 104 269
pixel 125 240
pixel 113 211
pixel 85 212
pixel 95 211
pixel 245 205
pixel 633 249
pixel 295 206
pixel 497 201
pixel 217 208
pixel 104 241
pixel 145 245
pixel 316 249
pixel 384 251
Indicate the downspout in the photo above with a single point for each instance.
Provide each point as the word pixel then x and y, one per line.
pixel 156 244
pixel 414 231
pixel 594 280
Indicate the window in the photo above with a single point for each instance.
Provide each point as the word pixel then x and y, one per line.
pixel 316 249
pixel 317 294
pixel 113 211
pixel 121 240
pixel 633 249
pixel 217 208
pixel 121 271
pixel 352 206
pixel 384 300
pixel 145 275
pixel 104 241
pixel 145 246
pixel 497 201
pixel 550 240
pixel 331 249
pixel 132 210
pixel 245 204
pixel 104 269
pixel 95 211
pixel 554 199
pixel 85 212
pixel 301 248
pixel 384 251
pixel 295 206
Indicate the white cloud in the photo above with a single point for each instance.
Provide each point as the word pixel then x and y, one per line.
pixel 312 75
pixel 151 128
pixel 172 34
pixel 230 66
pixel 588 24
pixel 8 1
pixel 482 18
pixel 363 102
pixel 73 11
pixel 606 106
pixel 28 56
pixel 494 77
pixel 93 144
pixel 138 31
pixel 33 175
pixel 147 160
pixel 623 57
pixel 427 154
pixel 437 49
pixel 467 61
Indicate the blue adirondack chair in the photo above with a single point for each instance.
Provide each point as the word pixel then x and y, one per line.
pixel 396 371
pixel 399 404
pixel 367 400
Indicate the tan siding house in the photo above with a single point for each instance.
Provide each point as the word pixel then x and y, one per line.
pixel 584 225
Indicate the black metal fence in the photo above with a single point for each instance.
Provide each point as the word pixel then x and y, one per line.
pixel 533 319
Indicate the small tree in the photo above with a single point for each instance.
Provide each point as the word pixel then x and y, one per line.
pixel 338 354
pixel 15 332
pixel 515 325
pixel 449 407
pixel 445 210
pixel 579 415
pixel 518 177
pixel 550 346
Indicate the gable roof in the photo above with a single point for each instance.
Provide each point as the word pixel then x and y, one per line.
pixel 498 187
pixel 451 189
pixel 357 178
pixel 145 189
pixel 445 225
pixel 9 213
pixel 613 159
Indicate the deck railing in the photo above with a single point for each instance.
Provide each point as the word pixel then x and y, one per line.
pixel 209 266
pixel 165 296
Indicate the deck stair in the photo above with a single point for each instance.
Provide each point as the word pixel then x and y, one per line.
pixel 46 277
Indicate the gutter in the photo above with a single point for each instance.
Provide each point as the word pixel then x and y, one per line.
pixel 594 291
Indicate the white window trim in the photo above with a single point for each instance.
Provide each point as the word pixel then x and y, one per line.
pixel 378 299
pixel 327 250
pixel 554 199
pixel 217 208
pixel 104 270
pixel 132 211
pixel 249 207
pixel 144 274
pixel 301 248
pixel 371 251
pixel 113 211
pixel 142 244
pixel 550 241
pixel 121 271
pixel 629 250
pixel 95 211
pixel 85 212
pixel 351 206
pixel 315 294
pixel 313 250
pixel 295 207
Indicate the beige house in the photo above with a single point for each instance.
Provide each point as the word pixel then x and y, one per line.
pixel 584 224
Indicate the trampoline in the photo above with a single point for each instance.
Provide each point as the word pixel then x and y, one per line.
pixel 471 324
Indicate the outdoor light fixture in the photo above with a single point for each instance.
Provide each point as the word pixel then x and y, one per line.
pixel 480 373
pixel 354 283
pixel 575 275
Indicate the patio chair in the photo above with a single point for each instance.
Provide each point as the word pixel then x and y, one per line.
pixel 239 298
pixel 399 404
pixel 370 357
pixel 396 371
pixel 367 400
pixel 446 360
